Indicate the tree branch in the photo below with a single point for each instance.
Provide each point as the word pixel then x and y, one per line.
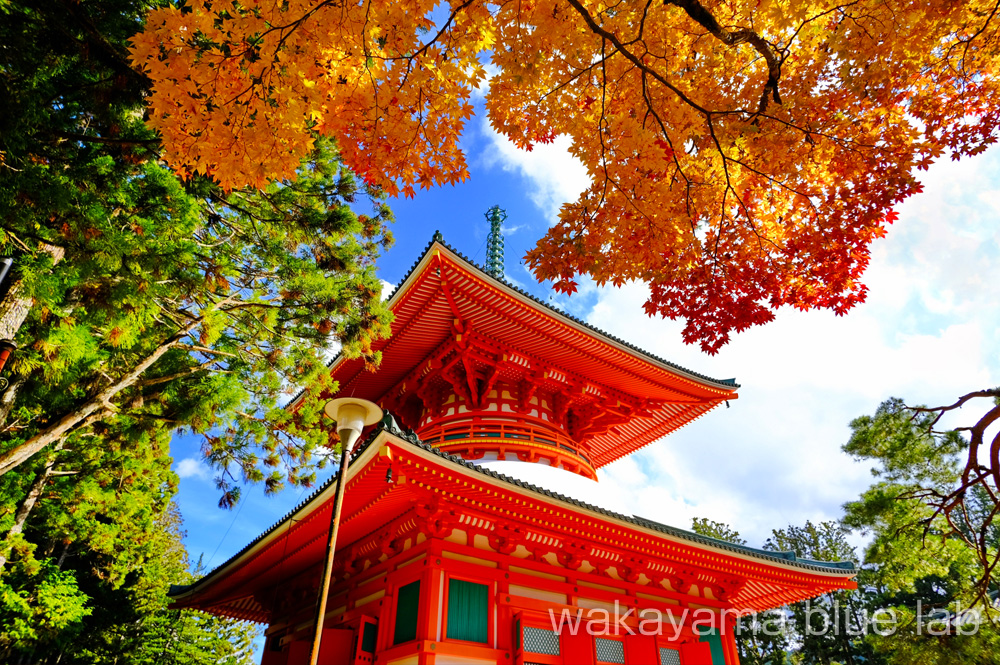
pixel 90 411
pixel 86 138
pixel 697 12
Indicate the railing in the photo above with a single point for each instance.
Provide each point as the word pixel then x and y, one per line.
pixel 472 437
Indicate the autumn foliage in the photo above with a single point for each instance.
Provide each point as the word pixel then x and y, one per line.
pixel 743 154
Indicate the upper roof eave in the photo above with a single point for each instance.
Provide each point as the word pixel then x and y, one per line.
pixel 727 385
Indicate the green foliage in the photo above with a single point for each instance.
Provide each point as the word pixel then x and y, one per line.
pixel 202 639
pixel 920 565
pixel 87 582
pixel 935 643
pixel 40 604
pixel 826 541
pixel 905 452
pixel 159 305
pixel 237 297
pixel 132 623
pixel 829 627
pixel 706 527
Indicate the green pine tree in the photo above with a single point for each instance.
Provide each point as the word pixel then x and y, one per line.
pixel 175 304
pixel 830 628
pixel 143 305
pixel 924 569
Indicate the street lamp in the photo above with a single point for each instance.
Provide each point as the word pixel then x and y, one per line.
pixel 6 348
pixel 352 415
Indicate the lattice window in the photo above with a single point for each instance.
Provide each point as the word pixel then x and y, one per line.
pixel 669 656
pixel 610 651
pixel 540 640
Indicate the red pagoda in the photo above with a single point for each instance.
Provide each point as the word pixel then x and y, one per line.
pixel 446 556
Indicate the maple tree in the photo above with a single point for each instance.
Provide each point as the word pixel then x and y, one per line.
pixel 743 155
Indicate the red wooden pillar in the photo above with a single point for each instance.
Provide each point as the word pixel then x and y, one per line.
pixel 729 642
pixel 577 649
pixel 385 618
pixel 430 602
pixel 696 653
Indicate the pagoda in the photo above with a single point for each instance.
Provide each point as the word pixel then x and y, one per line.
pixel 447 556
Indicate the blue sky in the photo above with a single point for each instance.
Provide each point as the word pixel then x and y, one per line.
pixel 929 332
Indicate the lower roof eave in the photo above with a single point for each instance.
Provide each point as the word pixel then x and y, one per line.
pixel 838 575
pixel 326 491
pixel 782 560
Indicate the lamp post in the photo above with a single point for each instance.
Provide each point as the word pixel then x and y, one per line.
pixel 352 415
pixel 6 348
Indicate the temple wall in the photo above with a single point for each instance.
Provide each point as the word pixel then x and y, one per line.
pixel 503 398
pixel 454 600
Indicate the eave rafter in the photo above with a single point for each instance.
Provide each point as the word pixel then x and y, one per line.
pixel 451 276
pixel 471 363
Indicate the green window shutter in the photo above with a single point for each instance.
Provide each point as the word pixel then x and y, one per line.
pixel 711 636
pixel 368 635
pixel 468 611
pixel 407 604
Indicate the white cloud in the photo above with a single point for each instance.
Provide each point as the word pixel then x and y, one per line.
pixel 190 467
pixel 555 176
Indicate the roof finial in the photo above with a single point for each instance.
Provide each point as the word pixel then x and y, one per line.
pixel 494 242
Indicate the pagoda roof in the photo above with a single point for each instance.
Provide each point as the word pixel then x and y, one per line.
pixel 439 240
pixel 444 290
pixel 298 539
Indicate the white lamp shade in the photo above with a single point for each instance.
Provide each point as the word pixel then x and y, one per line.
pixel 352 413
